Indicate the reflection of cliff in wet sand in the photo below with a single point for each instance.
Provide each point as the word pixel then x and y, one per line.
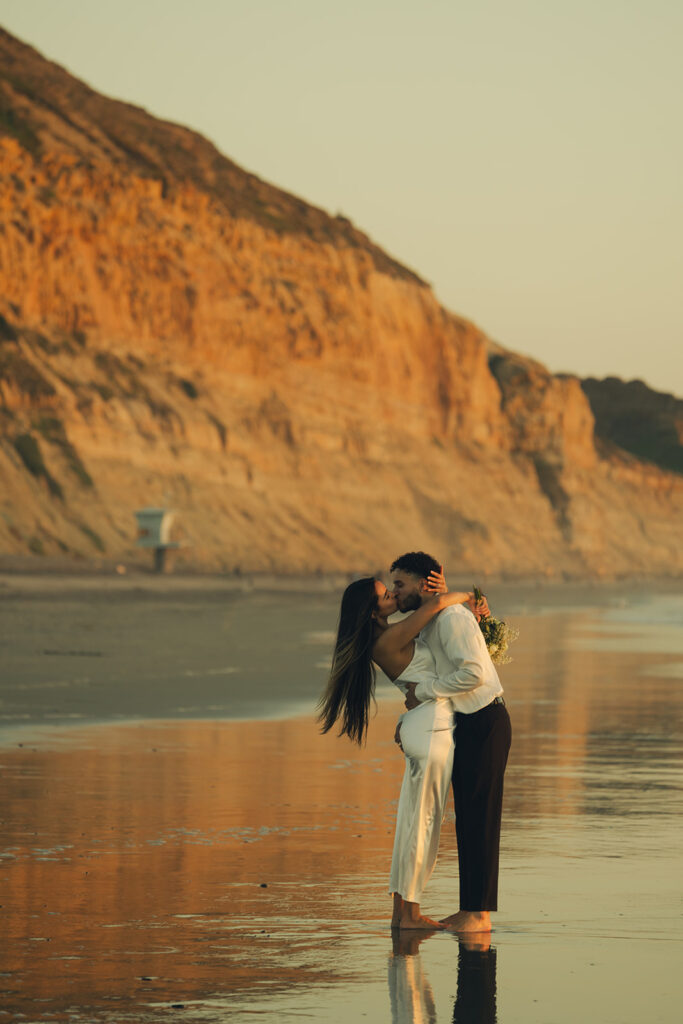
pixel 241 866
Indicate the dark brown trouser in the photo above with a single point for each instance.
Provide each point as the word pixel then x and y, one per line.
pixel 482 743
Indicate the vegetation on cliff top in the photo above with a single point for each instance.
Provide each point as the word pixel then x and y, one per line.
pixel 632 416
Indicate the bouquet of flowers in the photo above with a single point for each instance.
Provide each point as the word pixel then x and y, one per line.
pixel 498 635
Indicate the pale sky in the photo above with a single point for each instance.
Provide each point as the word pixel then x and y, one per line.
pixel 523 156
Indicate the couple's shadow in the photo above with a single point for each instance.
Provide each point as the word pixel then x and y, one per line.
pixel 410 993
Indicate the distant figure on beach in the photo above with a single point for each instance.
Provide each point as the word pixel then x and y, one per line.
pixel 464 676
pixel 364 637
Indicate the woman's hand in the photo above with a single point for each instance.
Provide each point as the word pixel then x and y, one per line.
pixel 480 609
pixel 397 736
pixel 436 582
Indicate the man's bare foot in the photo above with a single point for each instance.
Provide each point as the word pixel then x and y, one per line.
pixel 471 921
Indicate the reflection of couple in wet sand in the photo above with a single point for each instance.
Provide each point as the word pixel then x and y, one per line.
pixel 411 994
pixel 438 658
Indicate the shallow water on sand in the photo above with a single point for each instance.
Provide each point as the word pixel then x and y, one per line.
pixel 237 870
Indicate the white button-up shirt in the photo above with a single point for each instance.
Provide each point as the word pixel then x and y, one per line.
pixel 464 670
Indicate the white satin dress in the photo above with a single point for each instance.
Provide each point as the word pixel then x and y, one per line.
pixel 427 741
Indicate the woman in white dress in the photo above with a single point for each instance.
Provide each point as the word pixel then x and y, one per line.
pixel 426 733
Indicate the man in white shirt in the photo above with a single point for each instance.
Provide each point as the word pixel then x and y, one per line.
pixel 466 675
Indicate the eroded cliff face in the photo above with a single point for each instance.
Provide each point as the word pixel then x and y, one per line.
pixel 299 398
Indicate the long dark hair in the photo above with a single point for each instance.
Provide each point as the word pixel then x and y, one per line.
pixel 351 685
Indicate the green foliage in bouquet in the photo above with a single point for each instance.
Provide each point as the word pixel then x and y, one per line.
pixel 498 635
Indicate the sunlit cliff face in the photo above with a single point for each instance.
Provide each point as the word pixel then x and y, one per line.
pixel 196 338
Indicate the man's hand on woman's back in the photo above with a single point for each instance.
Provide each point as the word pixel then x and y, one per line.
pixel 411 700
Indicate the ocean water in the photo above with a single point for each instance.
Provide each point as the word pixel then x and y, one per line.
pixel 198 851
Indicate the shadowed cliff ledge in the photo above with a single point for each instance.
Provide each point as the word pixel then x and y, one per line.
pixel 631 416
pixel 175 331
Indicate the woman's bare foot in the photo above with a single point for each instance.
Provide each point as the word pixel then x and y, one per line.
pixel 466 921
pixel 423 923
pixel 453 919
pixel 407 916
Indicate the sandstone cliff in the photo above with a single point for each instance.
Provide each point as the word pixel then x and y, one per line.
pixel 175 331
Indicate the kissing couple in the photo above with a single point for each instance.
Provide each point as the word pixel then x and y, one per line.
pixel 456 729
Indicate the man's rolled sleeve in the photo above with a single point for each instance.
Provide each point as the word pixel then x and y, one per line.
pixel 426 687
pixel 462 642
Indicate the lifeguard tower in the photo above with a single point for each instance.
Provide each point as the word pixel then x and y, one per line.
pixel 154 531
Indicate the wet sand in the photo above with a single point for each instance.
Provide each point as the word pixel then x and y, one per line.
pixel 211 870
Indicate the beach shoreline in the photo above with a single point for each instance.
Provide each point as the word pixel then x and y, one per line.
pixel 234 862
pixel 92 649
pixel 24 582
pixel 229 869
pixel 140 569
